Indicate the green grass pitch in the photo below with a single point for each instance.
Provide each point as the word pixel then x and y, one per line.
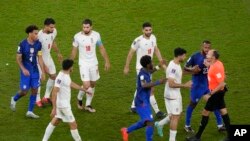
pixel 183 23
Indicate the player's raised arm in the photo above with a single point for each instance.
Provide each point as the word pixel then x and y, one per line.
pixel 128 60
pixel 173 84
pixel 105 56
pixel 152 84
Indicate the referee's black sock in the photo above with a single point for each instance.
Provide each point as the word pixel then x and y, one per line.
pixel 226 120
pixel 202 127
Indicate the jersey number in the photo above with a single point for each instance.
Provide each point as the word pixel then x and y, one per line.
pixel 205 70
pixel 149 51
pixel 87 48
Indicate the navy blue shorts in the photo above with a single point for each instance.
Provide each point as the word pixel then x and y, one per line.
pixel 27 82
pixel 145 113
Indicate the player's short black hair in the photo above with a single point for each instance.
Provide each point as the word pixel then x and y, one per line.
pixel 67 63
pixel 49 21
pixel 87 21
pixel 216 54
pixel 146 24
pixel 206 42
pixel 31 28
pixel 145 60
pixel 179 51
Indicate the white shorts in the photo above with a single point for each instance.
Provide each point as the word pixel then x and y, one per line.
pixel 89 73
pixel 174 107
pixel 50 64
pixel 65 114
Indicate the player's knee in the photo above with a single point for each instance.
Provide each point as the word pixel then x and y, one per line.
pixel 205 113
pixel 23 92
pixel 34 91
pixel 92 84
pixel 52 76
pixel 149 123
pixel 223 111
pixel 192 104
pixel 73 125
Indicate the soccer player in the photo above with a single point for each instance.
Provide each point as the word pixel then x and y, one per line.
pixel 195 66
pixel 27 53
pixel 172 94
pixel 142 101
pixel 144 45
pixel 61 96
pixel 215 98
pixel 47 37
pixel 86 42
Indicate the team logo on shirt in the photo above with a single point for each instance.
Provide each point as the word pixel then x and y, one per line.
pixel 58 81
pixel 173 70
pixel 32 50
pixel 134 42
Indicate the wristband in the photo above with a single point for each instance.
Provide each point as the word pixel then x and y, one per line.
pixel 157 82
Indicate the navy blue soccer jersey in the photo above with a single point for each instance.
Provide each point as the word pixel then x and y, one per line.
pixel 143 94
pixel 199 80
pixel 29 54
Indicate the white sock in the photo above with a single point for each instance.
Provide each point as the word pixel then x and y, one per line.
pixel 49 86
pixel 133 102
pixel 164 121
pixel 172 135
pixel 89 97
pixel 154 103
pixel 38 98
pixel 80 95
pixel 75 135
pixel 50 128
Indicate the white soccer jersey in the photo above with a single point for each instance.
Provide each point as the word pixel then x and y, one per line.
pixel 87 47
pixel 63 82
pixel 47 41
pixel 173 71
pixel 143 47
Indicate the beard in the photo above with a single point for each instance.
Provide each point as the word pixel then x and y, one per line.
pixel 147 34
pixel 86 32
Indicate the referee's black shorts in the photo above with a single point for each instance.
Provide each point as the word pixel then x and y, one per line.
pixel 216 101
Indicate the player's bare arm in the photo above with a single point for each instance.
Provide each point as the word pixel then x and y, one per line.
pixel 73 53
pixel 173 84
pixel 42 65
pixel 105 56
pixel 56 49
pixel 53 99
pixel 152 84
pixel 78 87
pixel 191 70
pixel 128 60
pixel 19 62
pixel 161 60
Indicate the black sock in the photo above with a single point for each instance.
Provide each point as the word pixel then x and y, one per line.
pixel 80 102
pixel 226 120
pixel 202 127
